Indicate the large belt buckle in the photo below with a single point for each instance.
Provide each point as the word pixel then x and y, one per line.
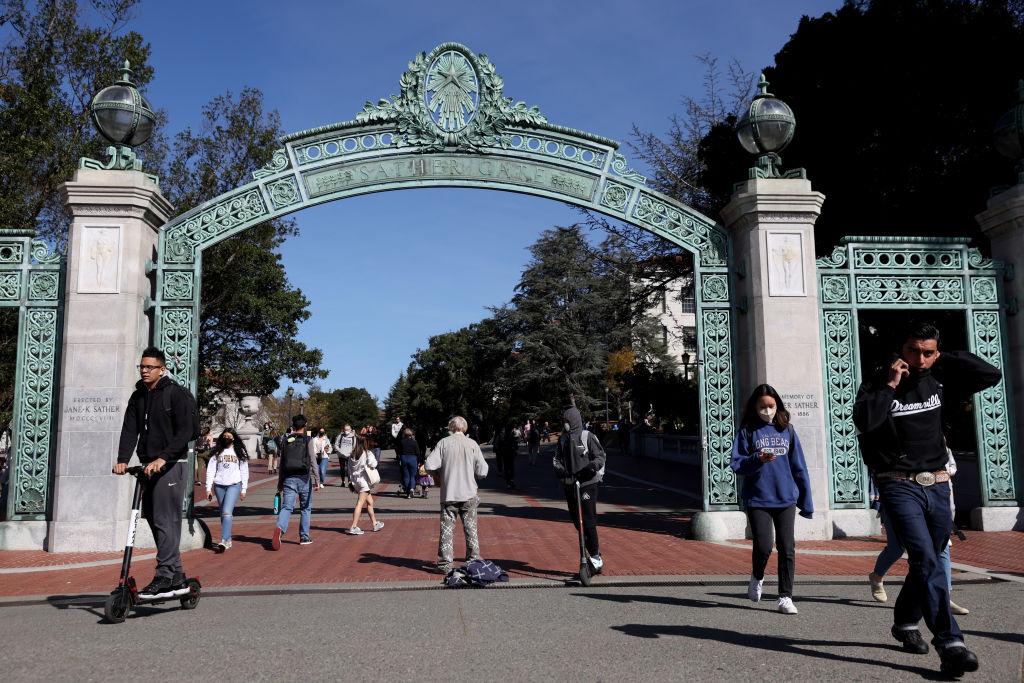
pixel 925 478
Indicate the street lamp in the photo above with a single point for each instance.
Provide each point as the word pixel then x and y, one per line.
pixel 606 405
pixel 123 116
pixel 302 403
pixel 290 393
pixel 686 366
pixel 765 129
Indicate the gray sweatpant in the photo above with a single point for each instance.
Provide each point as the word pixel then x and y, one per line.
pixel 161 504
pixel 466 511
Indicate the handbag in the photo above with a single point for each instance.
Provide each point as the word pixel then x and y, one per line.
pixel 372 475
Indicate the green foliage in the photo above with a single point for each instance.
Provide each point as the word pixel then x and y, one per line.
pixel 52 63
pixel 250 313
pixel 895 104
pixel 351 405
pixel 397 401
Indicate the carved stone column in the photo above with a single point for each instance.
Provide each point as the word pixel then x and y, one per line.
pixel 117 215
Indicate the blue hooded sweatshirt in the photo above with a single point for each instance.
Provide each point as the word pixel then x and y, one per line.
pixel 778 483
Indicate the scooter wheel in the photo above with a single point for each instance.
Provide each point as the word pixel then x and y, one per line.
pixel 585 573
pixel 192 599
pixel 115 609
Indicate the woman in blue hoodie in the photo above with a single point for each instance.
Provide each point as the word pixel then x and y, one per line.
pixel 767 453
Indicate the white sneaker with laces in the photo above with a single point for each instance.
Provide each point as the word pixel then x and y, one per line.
pixel 786 606
pixel 377 526
pixel 355 531
pixel 754 589
pixel 597 563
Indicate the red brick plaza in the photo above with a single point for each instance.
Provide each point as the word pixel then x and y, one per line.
pixel 643 534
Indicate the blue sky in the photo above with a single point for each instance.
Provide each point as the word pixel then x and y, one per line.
pixel 385 272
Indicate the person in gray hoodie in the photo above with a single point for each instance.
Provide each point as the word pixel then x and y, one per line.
pixel 580 457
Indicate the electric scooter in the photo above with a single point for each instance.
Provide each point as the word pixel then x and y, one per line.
pixel 126 595
pixel 586 571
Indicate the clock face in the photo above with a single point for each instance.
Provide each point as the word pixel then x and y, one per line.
pixel 452 91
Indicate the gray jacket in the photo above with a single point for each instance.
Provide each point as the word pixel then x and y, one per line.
pixel 459 463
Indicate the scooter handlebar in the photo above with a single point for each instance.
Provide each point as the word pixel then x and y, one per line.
pixel 136 470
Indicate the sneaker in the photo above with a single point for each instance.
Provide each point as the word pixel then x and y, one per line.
pixel 275 542
pixel 956 661
pixel 377 526
pixel 228 546
pixel 597 563
pixel 355 531
pixel 911 639
pixel 179 585
pixel 957 609
pixel 877 587
pixel 786 606
pixel 159 587
pixel 220 547
pixel 754 589
pixel 305 540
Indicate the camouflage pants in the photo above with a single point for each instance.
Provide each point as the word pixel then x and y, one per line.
pixel 466 511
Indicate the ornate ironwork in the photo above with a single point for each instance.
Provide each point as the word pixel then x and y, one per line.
pixel 210 220
pixel 178 285
pixel 30 280
pixel 718 401
pixel 946 274
pixel 683 226
pixel 714 288
pixel 176 337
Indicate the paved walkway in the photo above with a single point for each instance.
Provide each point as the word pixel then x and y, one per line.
pixel 526 531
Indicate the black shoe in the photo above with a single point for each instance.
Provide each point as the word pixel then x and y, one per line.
pixel 956 661
pixel 159 587
pixel 911 639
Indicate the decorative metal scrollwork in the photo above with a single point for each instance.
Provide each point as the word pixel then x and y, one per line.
pixel 278 162
pixel 176 334
pixel 718 399
pixel 43 286
pixel 615 196
pixel 835 289
pixel 620 167
pixel 909 290
pixel 846 469
pixel 708 240
pixel 178 285
pixel 714 288
pixel 994 444
pixel 284 192
pixel 181 240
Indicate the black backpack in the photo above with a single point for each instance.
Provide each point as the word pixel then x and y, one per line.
pixel 190 401
pixel 295 454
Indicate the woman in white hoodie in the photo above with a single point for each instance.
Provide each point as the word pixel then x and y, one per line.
pixel 227 476
pixel 359 462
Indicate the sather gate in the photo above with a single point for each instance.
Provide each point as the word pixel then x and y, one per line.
pixel 452 126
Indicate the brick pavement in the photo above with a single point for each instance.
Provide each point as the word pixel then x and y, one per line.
pixel 525 531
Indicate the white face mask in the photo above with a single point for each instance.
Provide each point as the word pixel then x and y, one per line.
pixel 767 414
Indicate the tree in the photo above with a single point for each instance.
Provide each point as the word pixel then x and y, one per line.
pixel 351 405
pixel 898 144
pixel 250 313
pixel 397 402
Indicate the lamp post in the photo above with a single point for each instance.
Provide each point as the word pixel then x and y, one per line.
pixel 302 403
pixel 765 129
pixel 606 406
pixel 122 116
pixel 686 366
pixel 290 393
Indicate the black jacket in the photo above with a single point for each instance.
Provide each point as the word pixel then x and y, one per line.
pixel 901 428
pixel 408 446
pixel 168 430
pixel 570 461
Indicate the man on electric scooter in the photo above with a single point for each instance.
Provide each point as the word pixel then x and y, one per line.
pixel 158 425
pixel 581 457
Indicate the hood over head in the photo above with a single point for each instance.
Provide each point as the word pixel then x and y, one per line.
pixel 573 421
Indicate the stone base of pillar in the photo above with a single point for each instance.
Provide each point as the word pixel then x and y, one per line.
pixel 997 519
pixel 71 537
pixel 847 523
pixel 719 526
pixel 22 535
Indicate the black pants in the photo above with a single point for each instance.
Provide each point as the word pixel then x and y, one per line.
pixel 161 504
pixel 763 521
pixel 508 465
pixel 588 494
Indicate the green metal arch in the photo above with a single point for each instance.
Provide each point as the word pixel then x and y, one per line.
pixel 398 144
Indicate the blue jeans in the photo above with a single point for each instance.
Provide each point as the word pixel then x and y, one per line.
pixel 324 461
pixel 921 520
pixel 227 497
pixel 894 551
pixel 296 486
pixel 409 468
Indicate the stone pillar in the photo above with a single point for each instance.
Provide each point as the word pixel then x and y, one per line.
pixel 778 336
pixel 1003 223
pixel 117 215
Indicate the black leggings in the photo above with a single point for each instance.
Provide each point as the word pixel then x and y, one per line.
pixel 763 521
pixel 588 494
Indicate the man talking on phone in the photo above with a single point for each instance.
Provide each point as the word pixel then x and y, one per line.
pixel 899 416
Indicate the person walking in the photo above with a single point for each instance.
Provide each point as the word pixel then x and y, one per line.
pixel 359 462
pixel 579 457
pixel 227 476
pixel 299 476
pixel 396 432
pixel 458 462
pixel 767 452
pixel 270 447
pixel 344 444
pixel 899 415
pixel 506 447
pixel 322 449
pixel 533 442
pixel 159 422
pixel 409 459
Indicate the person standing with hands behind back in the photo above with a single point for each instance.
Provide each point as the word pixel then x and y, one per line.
pixel 767 453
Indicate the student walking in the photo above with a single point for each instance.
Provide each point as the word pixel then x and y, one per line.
pixel 767 453
pixel 344 444
pixel 360 462
pixel 270 447
pixel 227 476
pixel 409 459
pixel 580 457
pixel 322 449
pixel 533 442
pixel 298 477
pixel 459 463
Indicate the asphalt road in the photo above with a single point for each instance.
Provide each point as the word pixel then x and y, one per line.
pixel 649 633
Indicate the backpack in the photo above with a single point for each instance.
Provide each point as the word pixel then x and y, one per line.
pixel 271 446
pixel 295 454
pixel 584 436
pixel 190 401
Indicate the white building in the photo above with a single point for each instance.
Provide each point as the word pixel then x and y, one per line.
pixel 674 308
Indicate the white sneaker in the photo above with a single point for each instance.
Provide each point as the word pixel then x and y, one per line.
pixel 597 563
pixel 377 526
pixel 754 589
pixel 355 531
pixel 786 606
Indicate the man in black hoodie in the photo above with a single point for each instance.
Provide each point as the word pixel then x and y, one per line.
pixel 900 421
pixel 158 425
pixel 580 457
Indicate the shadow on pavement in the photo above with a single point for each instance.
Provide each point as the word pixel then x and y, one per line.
pixel 848 602
pixel 1005 637
pixel 404 562
pixel 662 600
pixel 775 644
